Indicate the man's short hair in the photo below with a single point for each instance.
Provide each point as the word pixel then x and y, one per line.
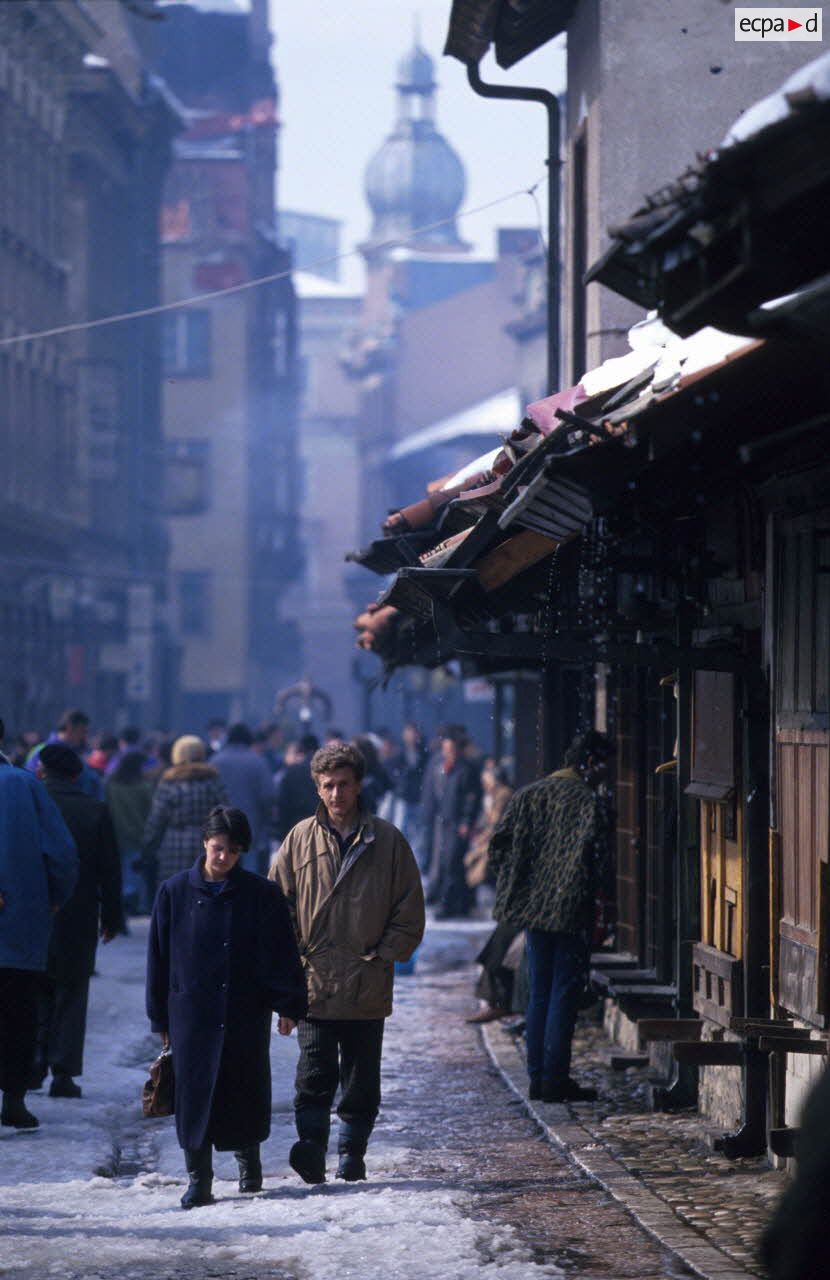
pixel 60 761
pixel 72 719
pixel 588 744
pixel 456 733
pixel 338 755
pixel 239 735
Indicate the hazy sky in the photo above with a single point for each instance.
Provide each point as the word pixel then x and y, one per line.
pixel 336 66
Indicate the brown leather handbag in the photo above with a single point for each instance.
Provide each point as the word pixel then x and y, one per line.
pixel 157 1094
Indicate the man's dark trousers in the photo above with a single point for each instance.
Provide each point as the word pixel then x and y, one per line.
pixel 336 1052
pixel 557 967
pixel 18 1029
pixel 62 1013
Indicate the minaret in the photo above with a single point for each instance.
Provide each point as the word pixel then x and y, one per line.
pixel 415 182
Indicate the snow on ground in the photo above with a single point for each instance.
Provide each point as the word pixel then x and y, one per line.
pixel 95 1191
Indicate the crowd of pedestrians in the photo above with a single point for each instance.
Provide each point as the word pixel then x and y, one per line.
pixel 97 829
pixel 289 878
pixel 123 825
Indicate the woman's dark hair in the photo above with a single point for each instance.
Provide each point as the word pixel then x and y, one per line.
pixel 585 745
pixel 224 821
pixel 501 773
pixel 130 767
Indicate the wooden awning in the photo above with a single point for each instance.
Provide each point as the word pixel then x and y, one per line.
pixel 515 27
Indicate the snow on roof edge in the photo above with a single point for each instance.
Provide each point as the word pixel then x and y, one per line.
pixel 813 78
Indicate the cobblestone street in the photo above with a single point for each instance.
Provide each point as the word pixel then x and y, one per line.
pixel 464 1182
pixel 712 1210
pixel 467 1130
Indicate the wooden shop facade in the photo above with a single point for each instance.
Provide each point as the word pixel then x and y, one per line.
pixel 649 553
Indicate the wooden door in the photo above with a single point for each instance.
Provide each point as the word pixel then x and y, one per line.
pixel 802 778
pixel 802 733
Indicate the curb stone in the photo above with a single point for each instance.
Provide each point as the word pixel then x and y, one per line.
pixel 652 1213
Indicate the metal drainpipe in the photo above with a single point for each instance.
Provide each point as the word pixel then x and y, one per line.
pixel 551 104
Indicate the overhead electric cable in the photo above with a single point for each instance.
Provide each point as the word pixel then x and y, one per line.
pixel 161 308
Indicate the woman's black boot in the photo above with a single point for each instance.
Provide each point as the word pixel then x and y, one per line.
pixel 250 1169
pixel 199 1165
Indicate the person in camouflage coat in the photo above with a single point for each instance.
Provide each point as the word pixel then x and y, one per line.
pixel 185 795
pixel 549 855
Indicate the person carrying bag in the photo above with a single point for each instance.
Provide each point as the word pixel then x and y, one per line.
pixel 221 959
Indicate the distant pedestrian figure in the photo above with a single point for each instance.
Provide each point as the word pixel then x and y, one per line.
pixel 355 897
pixel 38 869
pixel 377 783
pixel 185 795
pixel 221 959
pixel 549 854
pixel 72 731
pixel 452 799
pixel 495 984
pixel 408 771
pixel 93 909
pixel 129 799
pixel 250 787
pixel 296 793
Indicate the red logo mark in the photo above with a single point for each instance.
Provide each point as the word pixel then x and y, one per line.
pixel 791 25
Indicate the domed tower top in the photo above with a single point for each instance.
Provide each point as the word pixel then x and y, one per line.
pixel 416 179
pixel 416 72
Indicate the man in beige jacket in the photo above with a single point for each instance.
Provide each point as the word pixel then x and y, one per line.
pixel 354 892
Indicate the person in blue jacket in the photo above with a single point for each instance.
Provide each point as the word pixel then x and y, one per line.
pixel 221 958
pixel 72 731
pixel 38 870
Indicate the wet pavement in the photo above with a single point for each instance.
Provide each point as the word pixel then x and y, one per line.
pixel 465 1183
pixel 467 1130
pixel 711 1210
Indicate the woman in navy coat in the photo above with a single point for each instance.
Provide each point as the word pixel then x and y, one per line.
pixel 221 958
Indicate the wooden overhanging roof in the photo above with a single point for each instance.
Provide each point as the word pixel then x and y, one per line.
pixel 476 594
pixel 747 224
pixel 515 27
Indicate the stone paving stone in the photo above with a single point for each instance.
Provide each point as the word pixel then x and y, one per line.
pixel 478 1139
pixel 711 1210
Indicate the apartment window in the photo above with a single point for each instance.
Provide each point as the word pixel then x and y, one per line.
pixel 186 477
pixel 185 343
pixel 194 603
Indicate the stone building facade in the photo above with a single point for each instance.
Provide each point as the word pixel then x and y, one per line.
pixel 84 141
pixel 229 399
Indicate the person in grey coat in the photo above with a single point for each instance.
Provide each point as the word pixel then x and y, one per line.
pixel 250 787
pixel 450 806
pixel 187 792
